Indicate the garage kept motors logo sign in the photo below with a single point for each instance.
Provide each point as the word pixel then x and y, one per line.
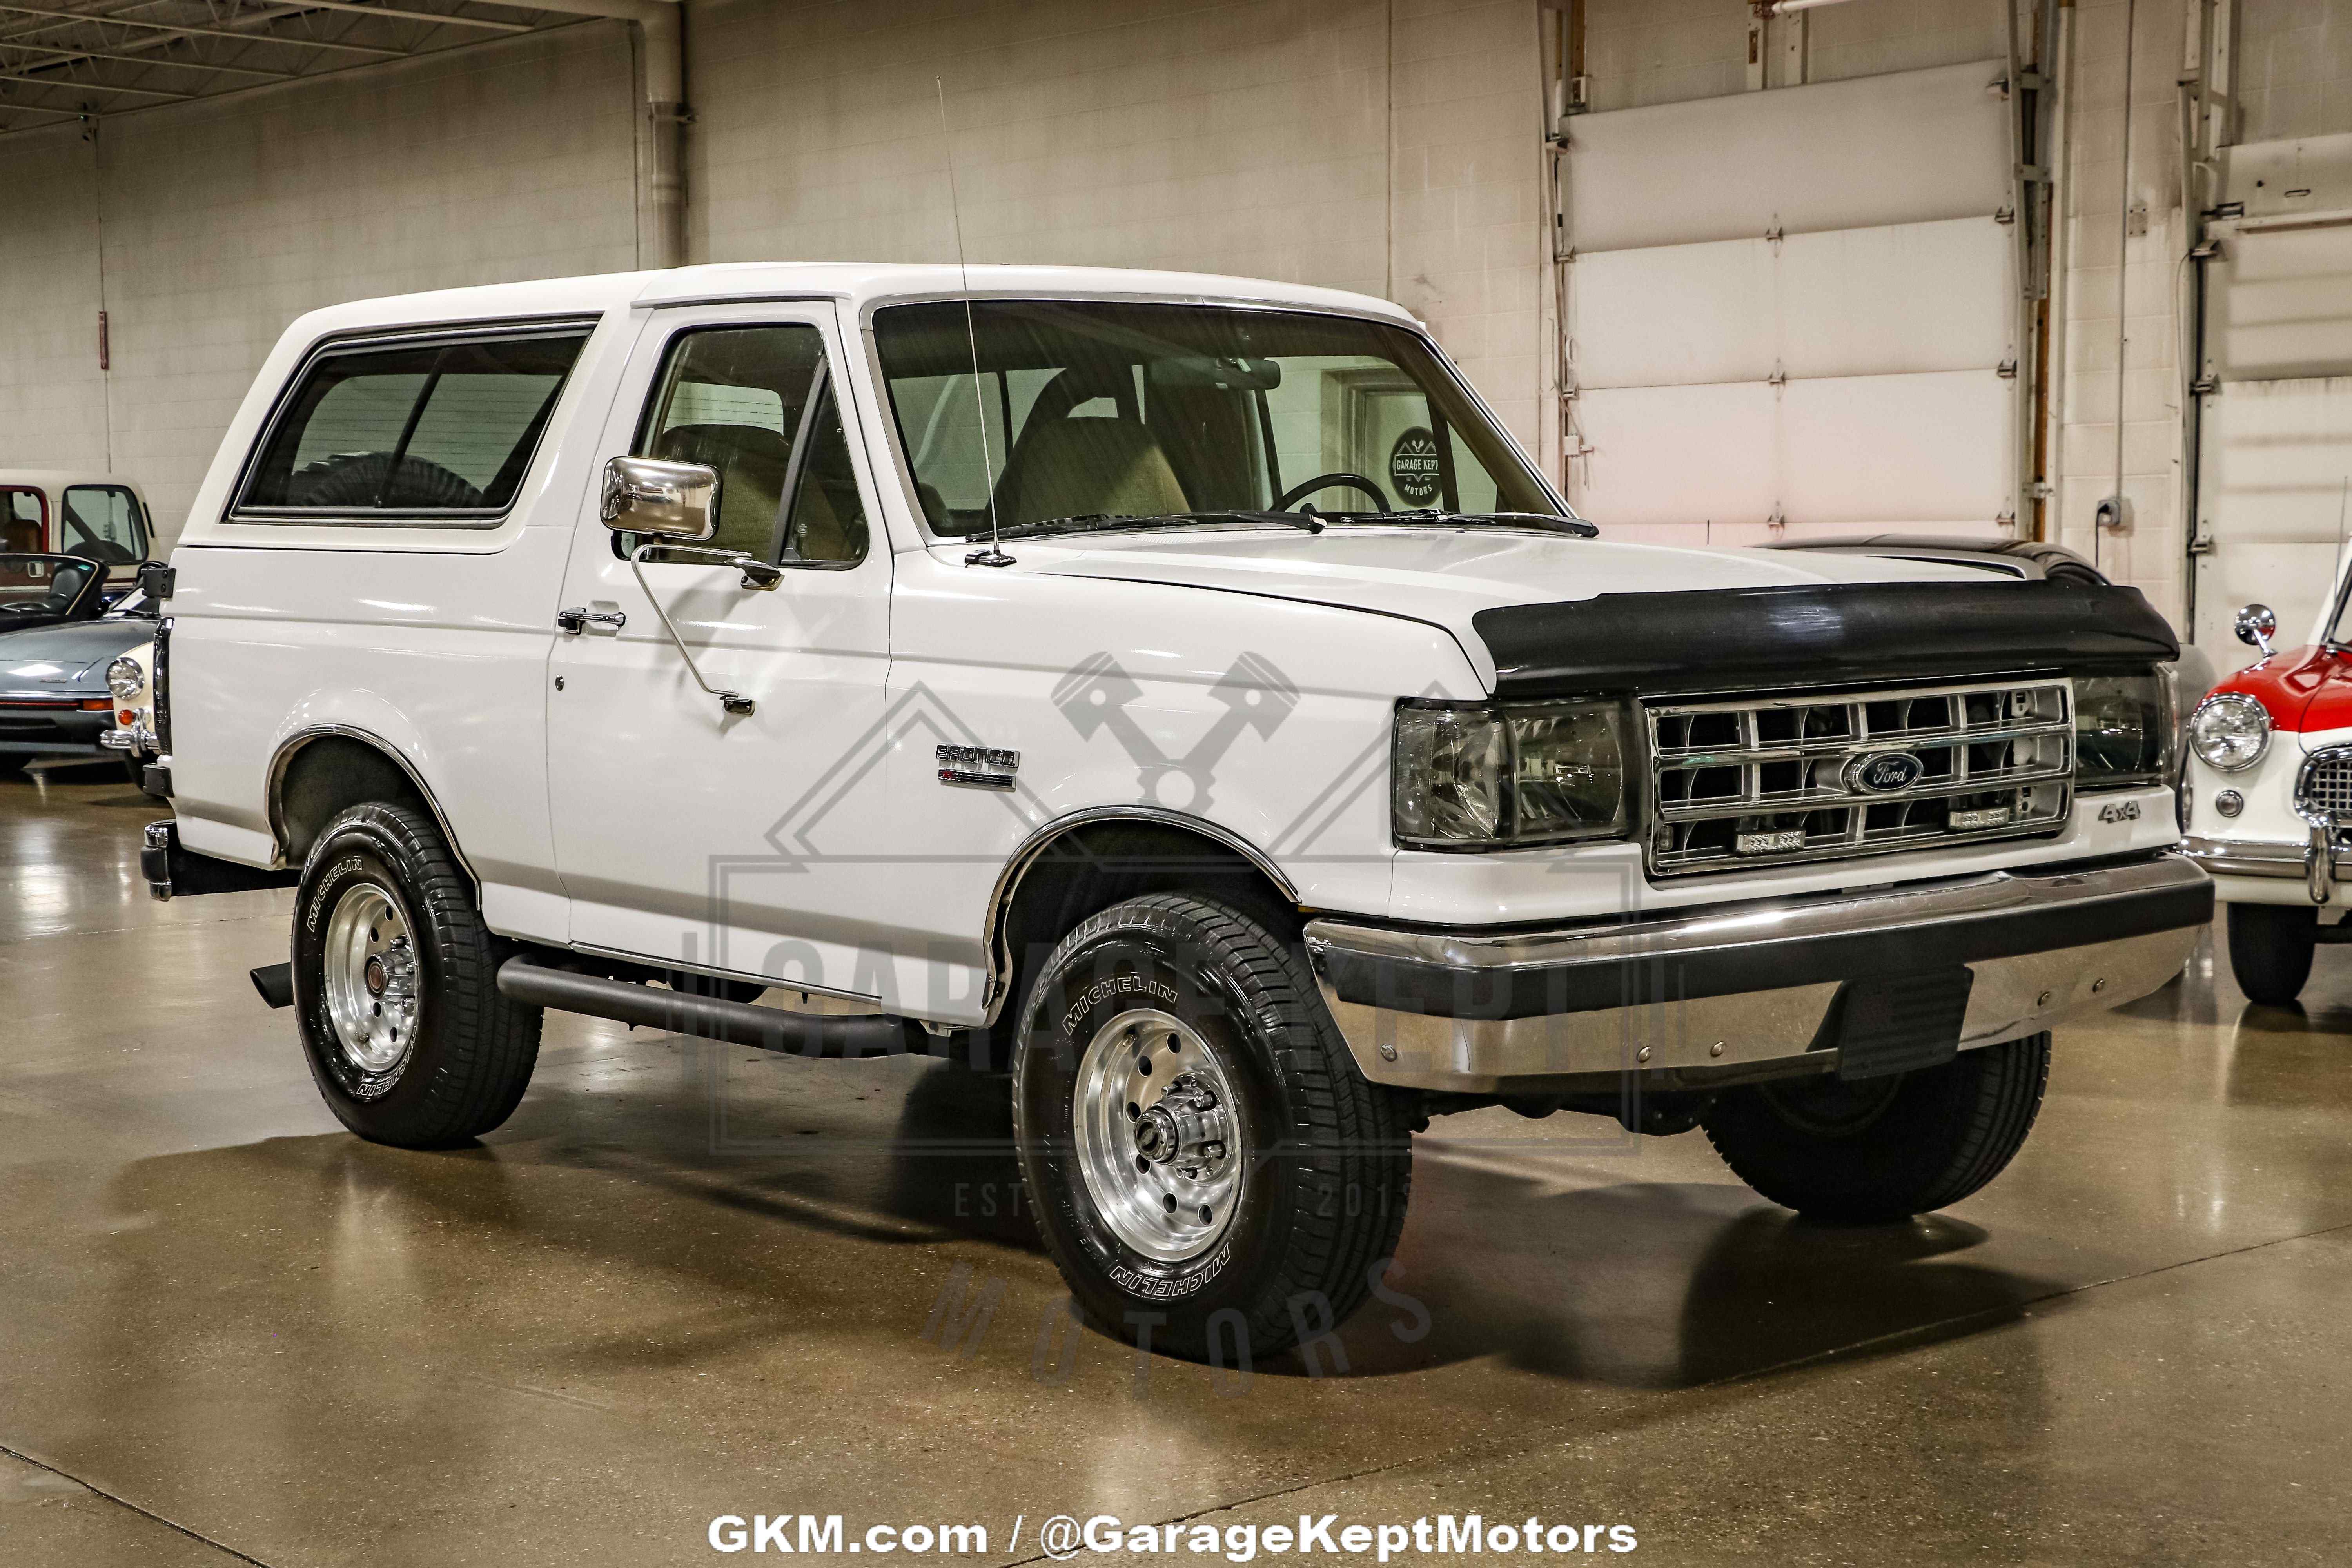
pixel 1413 466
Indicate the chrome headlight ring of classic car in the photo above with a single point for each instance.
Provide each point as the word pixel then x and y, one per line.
pixel 2229 731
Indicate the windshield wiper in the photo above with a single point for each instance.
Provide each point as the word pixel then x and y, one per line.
pixel 1575 527
pixel 1101 522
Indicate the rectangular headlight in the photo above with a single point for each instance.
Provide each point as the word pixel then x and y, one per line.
pixel 2123 730
pixel 1483 776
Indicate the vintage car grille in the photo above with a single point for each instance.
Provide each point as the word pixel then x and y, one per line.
pixel 1774 778
pixel 2325 787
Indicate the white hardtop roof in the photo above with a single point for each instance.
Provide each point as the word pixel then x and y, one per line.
pixel 58 478
pixel 857 284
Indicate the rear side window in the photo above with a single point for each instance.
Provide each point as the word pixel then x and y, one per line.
pixel 436 432
pixel 104 523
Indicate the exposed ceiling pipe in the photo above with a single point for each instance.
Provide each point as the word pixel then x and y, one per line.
pixel 1791 7
pixel 661 176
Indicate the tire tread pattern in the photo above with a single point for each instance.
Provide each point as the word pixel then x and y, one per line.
pixel 485 1045
pixel 1965 1122
pixel 1354 1133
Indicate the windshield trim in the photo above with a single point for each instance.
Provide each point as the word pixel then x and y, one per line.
pixel 902 462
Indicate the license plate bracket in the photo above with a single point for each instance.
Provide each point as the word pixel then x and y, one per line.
pixel 1889 1024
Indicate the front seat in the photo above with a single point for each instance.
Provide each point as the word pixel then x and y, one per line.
pixel 1073 468
pixel 750 460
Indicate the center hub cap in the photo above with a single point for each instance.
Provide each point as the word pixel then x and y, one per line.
pixel 1185 1129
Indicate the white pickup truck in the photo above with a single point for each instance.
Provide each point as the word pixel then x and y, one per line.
pixel 1178 693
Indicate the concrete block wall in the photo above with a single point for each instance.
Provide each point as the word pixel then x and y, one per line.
pixel 2104 272
pixel 1388 146
pixel 223 221
pixel 52 398
pixel 2294 69
pixel 1391 146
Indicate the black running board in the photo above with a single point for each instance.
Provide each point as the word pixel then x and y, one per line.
pixel 275 983
pixel 711 1017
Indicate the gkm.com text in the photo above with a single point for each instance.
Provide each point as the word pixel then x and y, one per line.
pixel 1062 1537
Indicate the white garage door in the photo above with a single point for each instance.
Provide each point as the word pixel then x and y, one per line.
pixel 2275 470
pixel 1794 311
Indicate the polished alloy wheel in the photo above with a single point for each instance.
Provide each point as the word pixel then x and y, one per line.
pixel 370 979
pixel 1157 1141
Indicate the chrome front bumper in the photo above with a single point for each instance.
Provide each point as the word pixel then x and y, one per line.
pixel 1746 991
pixel 2320 863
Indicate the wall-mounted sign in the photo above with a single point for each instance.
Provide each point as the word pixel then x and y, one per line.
pixel 1412 467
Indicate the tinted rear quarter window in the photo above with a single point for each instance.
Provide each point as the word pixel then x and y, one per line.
pixel 441 431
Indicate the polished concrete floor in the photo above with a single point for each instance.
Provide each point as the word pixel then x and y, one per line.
pixel 689 1282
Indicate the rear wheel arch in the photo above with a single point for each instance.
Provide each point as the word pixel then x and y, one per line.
pixel 318 774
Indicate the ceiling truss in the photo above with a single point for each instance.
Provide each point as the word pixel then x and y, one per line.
pixel 65 59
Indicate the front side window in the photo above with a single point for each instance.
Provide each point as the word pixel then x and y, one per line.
pixel 1040 410
pixel 433 431
pixel 104 523
pixel 755 405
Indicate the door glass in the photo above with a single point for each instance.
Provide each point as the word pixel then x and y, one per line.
pixel 731 398
pixel 104 523
pixel 827 522
pixel 22 520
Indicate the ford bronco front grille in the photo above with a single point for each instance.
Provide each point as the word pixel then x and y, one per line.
pixel 1777 778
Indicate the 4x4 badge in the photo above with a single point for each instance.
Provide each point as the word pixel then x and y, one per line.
pixel 1883 773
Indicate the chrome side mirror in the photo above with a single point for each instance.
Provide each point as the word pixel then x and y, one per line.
pixel 2255 624
pixel 666 500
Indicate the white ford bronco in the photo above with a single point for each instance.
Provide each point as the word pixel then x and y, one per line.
pixel 1177 693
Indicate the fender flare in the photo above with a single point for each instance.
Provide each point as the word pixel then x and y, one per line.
pixel 273 791
pixel 1034 847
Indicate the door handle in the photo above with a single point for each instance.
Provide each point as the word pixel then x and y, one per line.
pixel 574 622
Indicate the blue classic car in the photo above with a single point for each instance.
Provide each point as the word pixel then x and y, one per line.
pixel 54 699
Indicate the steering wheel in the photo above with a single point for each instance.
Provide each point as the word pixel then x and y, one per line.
pixel 1300 492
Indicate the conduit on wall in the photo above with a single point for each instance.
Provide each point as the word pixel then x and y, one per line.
pixel 661 176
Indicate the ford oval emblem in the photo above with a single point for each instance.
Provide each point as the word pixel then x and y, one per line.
pixel 1883 773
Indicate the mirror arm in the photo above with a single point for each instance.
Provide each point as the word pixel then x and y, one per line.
pixel 753 570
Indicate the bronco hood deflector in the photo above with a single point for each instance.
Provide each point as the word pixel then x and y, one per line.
pixel 1817 634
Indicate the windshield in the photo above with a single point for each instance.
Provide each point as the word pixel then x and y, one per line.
pixel 104 523
pixel 1125 410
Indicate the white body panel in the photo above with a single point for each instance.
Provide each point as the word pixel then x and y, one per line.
pixel 1245 681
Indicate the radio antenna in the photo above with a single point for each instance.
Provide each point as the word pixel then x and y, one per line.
pixel 992 555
